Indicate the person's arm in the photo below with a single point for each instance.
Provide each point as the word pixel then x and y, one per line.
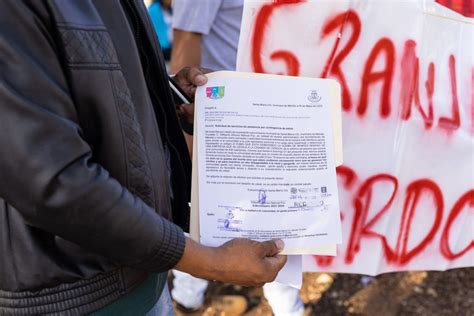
pixel 191 20
pixel 48 174
pixel 239 261
pixel 260 263
pixel 47 170
pixel 186 50
pixel 188 78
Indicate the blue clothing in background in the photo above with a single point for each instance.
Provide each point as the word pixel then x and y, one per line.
pixel 162 28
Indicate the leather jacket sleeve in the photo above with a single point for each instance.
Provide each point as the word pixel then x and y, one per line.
pixel 46 168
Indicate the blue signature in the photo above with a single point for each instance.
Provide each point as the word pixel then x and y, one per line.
pixel 262 197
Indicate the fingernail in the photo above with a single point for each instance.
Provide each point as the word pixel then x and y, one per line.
pixel 200 79
pixel 280 244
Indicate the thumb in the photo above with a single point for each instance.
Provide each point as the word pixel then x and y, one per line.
pixel 275 264
pixel 272 247
pixel 196 76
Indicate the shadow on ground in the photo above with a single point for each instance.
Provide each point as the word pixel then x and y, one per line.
pixel 449 293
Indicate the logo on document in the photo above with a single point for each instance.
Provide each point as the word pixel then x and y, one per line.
pixel 215 93
pixel 314 97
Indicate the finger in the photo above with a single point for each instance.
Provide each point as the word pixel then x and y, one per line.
pixel 205 70
pixel 272 247
pixel 196 76
pixel 257 284
pixel 190 90
pixel 191 76
pixel 274 265
pixel 279 261
pixel 187 111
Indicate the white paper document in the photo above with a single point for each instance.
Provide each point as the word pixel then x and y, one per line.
pixel 292 272
pixel 265 158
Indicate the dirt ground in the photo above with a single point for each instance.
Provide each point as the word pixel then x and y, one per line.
pixel 405 293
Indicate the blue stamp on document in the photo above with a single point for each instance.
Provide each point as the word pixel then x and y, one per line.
pixel 230 222
pixel 262 196
pixel 226 224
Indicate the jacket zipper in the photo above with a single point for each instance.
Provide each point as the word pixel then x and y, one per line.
pixel 136 13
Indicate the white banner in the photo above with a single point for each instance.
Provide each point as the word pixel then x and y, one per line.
pixel 407 73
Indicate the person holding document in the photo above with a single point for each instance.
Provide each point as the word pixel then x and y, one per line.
pixel 206 34
pixel 94 169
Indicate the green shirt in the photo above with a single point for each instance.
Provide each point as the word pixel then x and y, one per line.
pixel 139 301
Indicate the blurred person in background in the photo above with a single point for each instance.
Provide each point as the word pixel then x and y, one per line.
pixel 161 13
pixel 206 34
